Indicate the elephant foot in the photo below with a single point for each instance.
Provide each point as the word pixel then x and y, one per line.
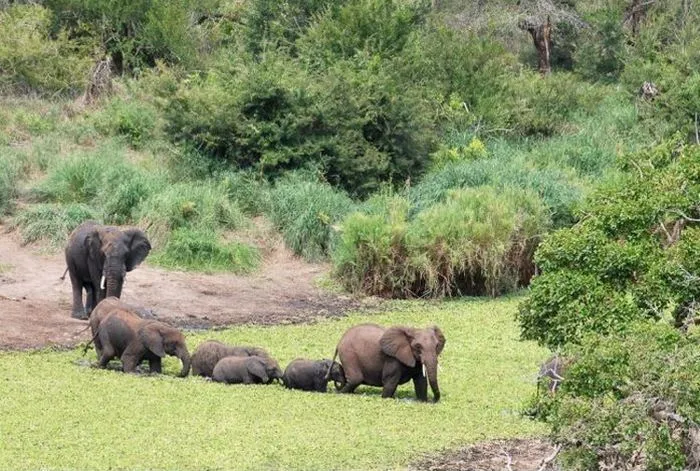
pixel 79 315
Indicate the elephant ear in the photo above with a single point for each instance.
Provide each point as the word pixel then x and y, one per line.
pixel 93 243
pixel 152 340
pixel 440 337
pixel 396 342
pixel 257 368
pixel 139 246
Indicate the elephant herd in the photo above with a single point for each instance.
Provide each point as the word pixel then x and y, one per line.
pixel 98 258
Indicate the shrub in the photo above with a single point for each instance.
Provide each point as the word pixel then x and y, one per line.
pixel 628 400
pixel 9 176
pixel 52 222
pixel 478 242
pixel 134 120
pixel 33 59
pixel 202 250
pixel 196 206
pixel 305 212
pixel 615 267
pixel 75 179
pixel 463 153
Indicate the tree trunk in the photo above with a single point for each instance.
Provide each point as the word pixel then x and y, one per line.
pixel 542 37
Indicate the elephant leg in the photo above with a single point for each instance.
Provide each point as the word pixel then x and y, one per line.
pixel 106 355
pixel 78 311
pixel 350 386
pixel 420 385
pixel 154 365
pixel 89 299
pixel 391 374
pixel 131 358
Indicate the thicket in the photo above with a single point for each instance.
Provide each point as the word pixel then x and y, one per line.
pixel 618 294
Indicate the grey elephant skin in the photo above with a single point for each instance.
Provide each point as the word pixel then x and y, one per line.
pixel 313 375
pixel 386 357
pixel 246 370
pixel 208 354
pixel 97 259
pixel 118 332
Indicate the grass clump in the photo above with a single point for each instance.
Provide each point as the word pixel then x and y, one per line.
pixel 188 423
pixel 52 222
pixel 134 120
pixel 305 211
pixel 196 205
pixel 9 175
pixel 479 241
pixel 202 250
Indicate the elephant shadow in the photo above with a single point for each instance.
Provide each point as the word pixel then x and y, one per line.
pixel 405 393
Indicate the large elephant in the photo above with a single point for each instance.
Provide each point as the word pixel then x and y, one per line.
pixel 386 357
pixel 208 354
pixel 246 370
pixel 120 333
pixel 313 375
pixel 97 258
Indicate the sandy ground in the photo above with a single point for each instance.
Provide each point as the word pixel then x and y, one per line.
pixel 35 304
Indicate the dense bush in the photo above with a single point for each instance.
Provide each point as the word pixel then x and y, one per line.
pixel 628 401
pixel 305 211
pixel 477 242
pixel 34 60
pixel 615 266
pixel 202 250
pixel 134 120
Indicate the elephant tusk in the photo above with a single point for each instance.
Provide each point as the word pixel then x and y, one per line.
pixel 102 282
pixel 425 372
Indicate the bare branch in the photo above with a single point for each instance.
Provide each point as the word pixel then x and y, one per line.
pixel 548 459
pixel 683 215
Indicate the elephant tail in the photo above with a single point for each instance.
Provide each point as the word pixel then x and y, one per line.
pixel 328 373
pixel 63 277
pixel 87 345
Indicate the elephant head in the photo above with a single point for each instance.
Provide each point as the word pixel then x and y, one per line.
pixel 272 369
pixel 412 346
pixel 334 371
pixel 161 339
pixel 116 252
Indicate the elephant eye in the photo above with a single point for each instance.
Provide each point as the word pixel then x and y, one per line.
pixel 418 347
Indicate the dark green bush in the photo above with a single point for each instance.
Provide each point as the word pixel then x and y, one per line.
pixel 601 47
pixel 202 250
pixel 615 267
pixel 305 212
pixel 34 60
pixel 628 400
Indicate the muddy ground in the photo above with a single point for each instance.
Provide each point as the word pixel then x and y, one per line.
pixel 35 303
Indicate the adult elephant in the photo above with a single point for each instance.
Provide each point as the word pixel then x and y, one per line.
pixel 120 333
pixel 97 258
pixel 386 357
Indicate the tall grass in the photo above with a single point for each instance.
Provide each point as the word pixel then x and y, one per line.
pixel 52 222
pixel 479 241
pixel 9 175
pixel 305 212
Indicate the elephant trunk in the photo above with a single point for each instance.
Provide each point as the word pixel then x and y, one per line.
pixel 431 373
pixel 184 357
pixel 113 275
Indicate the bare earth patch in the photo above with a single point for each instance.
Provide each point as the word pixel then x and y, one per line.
pixel 498 455
pixel 35 304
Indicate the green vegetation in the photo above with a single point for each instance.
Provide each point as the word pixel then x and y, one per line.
pixel 52 222
pixel 164 422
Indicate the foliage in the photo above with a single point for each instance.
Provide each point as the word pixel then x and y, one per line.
pixel 201 250
pixel 51 222
pixel 479 241
pixel 472 151
pixel 481 336
pixel 248 191
pixel 134 120
pixel 628 399
pixel 9 176
pixel 615 266
pixel 305 211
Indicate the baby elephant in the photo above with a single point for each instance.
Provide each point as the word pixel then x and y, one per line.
pixel 313 375
pixel 246 370
pixel 210 352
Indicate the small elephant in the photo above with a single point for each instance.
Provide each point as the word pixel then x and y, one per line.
pixel 246 370
pixel 313 375
pixel 121 333
pixel 97 259
pixel 386 357
pixel 210 352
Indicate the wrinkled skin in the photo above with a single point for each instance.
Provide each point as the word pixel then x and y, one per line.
pixel 313 375
pixel 120 333
pixel 386 357
pixel 97 258
pixel 246 370
pixel 210 352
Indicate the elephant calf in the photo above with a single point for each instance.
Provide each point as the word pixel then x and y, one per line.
pixel 119 333
pixel 313 375
pixel 210 352
pixel 246 370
